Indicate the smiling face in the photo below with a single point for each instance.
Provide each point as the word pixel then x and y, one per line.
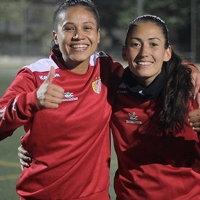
pixel 145 51
pixel 77 36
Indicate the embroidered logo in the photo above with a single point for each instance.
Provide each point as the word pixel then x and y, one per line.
pixel 133 119
pixel 96 85
pixel 69 96
pixel 122 89
pixel 45 77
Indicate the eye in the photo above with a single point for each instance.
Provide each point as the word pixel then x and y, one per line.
pixel 68 28
pixel 87 28
pixel 135 44
pixel 153 44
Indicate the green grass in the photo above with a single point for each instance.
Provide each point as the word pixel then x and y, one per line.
pixel 9 162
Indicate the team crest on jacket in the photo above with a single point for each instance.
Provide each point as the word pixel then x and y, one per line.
pixel 96 85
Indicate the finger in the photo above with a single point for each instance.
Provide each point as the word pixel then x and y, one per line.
pixel 25 158
pixel 198 99
pixel 50 75
pixel 197 84
pixel 55 91
pixel 195 112
pixel 22 151
pixel 53 97
pixel 194 84
pixel 195 125
pixel 193 120
pixel 52 102
pixel 196 129
pixel 195 75
pixel 196 89
pixel 24 164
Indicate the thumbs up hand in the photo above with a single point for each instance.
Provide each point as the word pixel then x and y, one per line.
pixel 49 95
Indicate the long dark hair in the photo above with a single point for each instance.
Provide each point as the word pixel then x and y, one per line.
pixel 178 88
pixel 62 6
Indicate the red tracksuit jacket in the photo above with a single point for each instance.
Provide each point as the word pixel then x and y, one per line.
pixel 70 145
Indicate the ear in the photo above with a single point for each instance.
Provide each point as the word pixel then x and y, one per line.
pixel 98 35
pixel 168 54
pixel 55 37
pixel 124 53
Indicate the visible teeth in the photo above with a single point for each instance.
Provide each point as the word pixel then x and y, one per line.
pixel 144 63
pixel 78 46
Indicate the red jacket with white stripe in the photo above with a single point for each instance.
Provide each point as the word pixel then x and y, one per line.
pixel 70 146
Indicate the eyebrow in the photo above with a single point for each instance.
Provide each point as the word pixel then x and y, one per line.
pixel 153 38
pixel 71 23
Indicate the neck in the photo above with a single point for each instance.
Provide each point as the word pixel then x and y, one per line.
pixel 80 69
pixel 77 67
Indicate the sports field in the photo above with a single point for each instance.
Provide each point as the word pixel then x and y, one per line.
pixel 9 163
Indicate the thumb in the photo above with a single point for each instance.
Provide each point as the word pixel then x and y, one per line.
pixel 50 75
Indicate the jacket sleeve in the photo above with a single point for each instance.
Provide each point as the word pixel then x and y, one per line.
pixel 18 104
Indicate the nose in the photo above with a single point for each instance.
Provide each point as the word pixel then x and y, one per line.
pixel 144 50
pixel 78 35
